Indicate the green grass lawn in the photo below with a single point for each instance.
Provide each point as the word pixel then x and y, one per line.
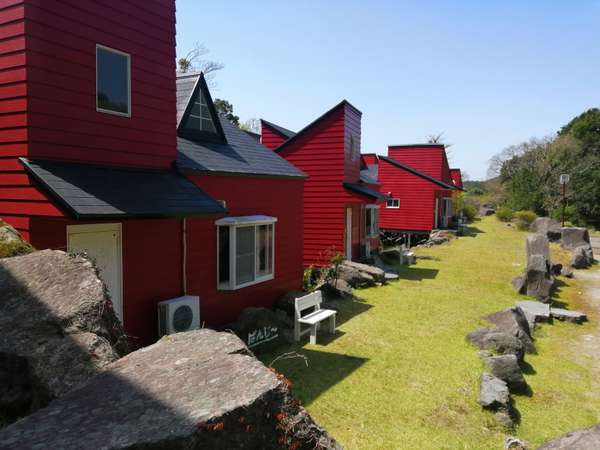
pixel 400 375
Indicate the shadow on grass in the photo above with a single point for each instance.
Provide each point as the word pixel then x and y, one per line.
pixel 324 371
pixel 472 231
pixel 416 273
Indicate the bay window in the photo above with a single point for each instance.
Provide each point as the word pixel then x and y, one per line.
pixel 246 251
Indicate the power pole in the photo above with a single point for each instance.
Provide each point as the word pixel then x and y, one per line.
pixel 564 180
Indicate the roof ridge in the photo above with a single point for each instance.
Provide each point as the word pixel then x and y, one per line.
pixel 417 172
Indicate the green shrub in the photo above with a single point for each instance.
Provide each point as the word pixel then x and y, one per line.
pixel 524 219
pixel 476 191
pixel 14 248
pixel 469 212
pixel 504 214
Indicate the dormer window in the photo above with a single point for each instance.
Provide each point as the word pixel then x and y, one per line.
pixel 199 118
pixel 113 81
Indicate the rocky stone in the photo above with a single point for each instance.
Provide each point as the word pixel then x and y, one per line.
pixel 493 393
pixel 566 272
pixel 513 322
pixel 57 329
pixel 547 227
pixel 513 443
pixel 537 244
pixel 539 311
pixel 342 287
pixel 360 275
pixel 586 439
pixel 486 211
pixel 195 390
pixel 506 367
pixel 520 284
pixel 583 257
pixel 8 233
pixel 260 329
pixel 540 282
pixel 504 418
pixel 556 269
pixel 287 302
pixel 498 342
pixel 568 316
pixel 573 237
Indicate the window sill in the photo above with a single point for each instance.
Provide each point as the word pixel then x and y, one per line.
pixel 226 287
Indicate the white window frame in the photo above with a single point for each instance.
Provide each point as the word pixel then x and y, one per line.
pixel 128 56
pixel 241 222
pixel 387 203
pixel 373 210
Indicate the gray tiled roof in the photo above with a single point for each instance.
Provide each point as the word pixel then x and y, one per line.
pixel 240 154
pixel 90 191
pixel 283 131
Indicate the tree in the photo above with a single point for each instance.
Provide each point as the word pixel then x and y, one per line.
pixel 252 125
pixel 194 61
pixel 585 127
pixel 225 108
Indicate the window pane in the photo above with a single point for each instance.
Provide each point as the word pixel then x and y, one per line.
pixel 195 109
pixel 207 125
pixel 113 81
pixel 369 220
pixel 223 255
pixel 265 250
pixel 245 249
pixel 193 122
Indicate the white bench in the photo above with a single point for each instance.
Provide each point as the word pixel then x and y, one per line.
pixel 313 318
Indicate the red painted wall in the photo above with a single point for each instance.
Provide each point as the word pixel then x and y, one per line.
pixel 277 197
pixel 456 175
pixel 417 204
pixel 269 137
pixel 48 91
pixel 150 247
pixel 431 160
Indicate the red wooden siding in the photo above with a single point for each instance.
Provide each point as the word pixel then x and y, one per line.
pixel 456 177
pixel 149 246
pixel 275 197
pixel 61 64
pixel 431 160
pixel 417 199
pixel 319 152
pixel 269 137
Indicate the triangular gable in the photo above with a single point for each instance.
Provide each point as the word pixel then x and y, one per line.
pixel 281 131
pixel 418 173
pixel 200 120
pixel 311 125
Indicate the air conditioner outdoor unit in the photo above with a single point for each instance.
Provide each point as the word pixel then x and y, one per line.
pixel 178 314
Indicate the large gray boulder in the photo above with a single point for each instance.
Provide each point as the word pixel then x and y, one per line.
pixel 573 237
pixel 547 227
pixel 359 275
pixel 536 311
pixel 506 368
pixel 196 390
pixel 567 315
pixel 586 439
pixel 512 321
pixel 498 342
pixel 540 282
pixel 57 329
pixel 583 257
pixel 493 393
pixel 537 244
pixel 261 329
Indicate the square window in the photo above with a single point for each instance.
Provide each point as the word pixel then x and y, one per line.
pixel 113 81
pixel 246 251
pixel 393 203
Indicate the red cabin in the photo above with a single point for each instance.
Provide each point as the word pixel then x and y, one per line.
pixel 104 150
pixel 418 181
pixel 341 206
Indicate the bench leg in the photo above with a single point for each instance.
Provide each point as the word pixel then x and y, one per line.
pixel 332 324
pixel 313 334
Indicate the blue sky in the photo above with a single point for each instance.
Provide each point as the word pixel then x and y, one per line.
pixel 488 74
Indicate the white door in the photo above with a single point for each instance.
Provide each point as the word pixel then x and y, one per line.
pixel 349 234
pixel 437 212
pixel 102 243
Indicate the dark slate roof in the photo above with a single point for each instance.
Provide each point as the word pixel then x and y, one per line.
pixel 418 173
pixel 240 153
pixel 99 192
pixel 365 191
pixel 284 132
pixel 185 88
